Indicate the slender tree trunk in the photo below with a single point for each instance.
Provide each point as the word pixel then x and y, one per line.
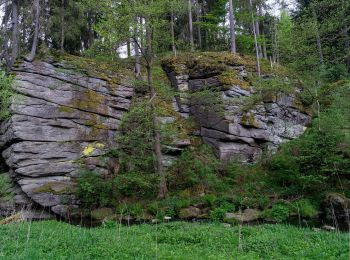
pixel 263 26
pixel 137 51
pixel 255 41
pixel 128 48
pixel 4 48
pixel 190 24
pixel 318 38
pixel 199 29
pixel 257 32
pixel 163 190
pixel 232 28
pixel 62 26
pixel 14 38
pixel 36 9
pixel 172 25
pixel 347 47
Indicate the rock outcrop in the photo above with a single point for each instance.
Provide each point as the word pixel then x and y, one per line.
pixel 64 120
pixel 237 131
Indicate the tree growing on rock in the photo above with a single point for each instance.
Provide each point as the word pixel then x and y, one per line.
pixel 125 15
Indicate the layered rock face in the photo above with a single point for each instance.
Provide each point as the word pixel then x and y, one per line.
pixel 63 120
pixel 235 131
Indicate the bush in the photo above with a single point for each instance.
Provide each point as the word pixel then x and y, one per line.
pixel 6 94
pixel 5 185
pixel 304 208
pixel 195 168
pixel 93 191
pixel 279 213
pixel 134 184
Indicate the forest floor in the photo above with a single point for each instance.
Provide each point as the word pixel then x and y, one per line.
pixel 177 240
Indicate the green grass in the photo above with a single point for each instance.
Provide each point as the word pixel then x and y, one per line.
pixel 179 240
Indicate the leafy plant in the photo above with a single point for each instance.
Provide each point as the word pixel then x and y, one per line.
pixel 5 185
pixel 6 94
pixel 93 191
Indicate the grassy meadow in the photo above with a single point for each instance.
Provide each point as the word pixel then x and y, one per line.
pixel 178 240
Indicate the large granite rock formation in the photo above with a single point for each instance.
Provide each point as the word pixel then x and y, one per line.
pixel 63 120
pixel 237 131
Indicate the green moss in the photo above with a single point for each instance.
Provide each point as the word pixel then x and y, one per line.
pixel 230 78
pixel 56 188
pixel 249 119
pixel 65 109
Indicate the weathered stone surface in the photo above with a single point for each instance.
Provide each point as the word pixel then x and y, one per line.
pixel 235 132
pixel 248 215
pixel 189 213
pixel 62 121
pixel 336 208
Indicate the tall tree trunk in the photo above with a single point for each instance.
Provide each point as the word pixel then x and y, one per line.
pixel 347 47
pixel 163 190
pixel 190 24
pixel 318 38
pixel 36 9
pixel 255 40
pixel 14 38
pixel 128 48
pixel 172 25
pixel 199 29
pixel 257 32
pixel 62 26
pixel 232 28
pixel 4 48
pixel 137 50
pixel 263 26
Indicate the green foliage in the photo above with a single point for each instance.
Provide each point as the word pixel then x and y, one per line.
pixel 194 168
pixel 179 240
pixel 136 139
pixel 304 208
pixel 320 158
pixel 136 184
pixel 5 185
pixel 6 95
pixel 279 212
pixel 93 191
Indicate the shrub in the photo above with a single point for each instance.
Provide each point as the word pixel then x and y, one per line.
pixel 93 191
pixel 6 94
pixel 194 168
pixel 279 212
pixel 304 208
pixel 136 184
pixel 5 185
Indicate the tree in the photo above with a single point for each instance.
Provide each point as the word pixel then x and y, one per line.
pixel 154 19
pixel 190 24
pixel 62 25
pixel 255 40
pixel 36 14
pixel 15 37
pixel 232 28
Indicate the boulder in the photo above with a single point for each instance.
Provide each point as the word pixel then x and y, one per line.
pixel 189 213
pixel 233 130
pixel 248 215
pixel 63 120
pixel 336 207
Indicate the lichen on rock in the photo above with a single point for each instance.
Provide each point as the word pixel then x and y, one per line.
pixel 67 118
pixel 254 120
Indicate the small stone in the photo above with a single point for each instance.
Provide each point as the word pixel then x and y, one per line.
pixel 328 228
